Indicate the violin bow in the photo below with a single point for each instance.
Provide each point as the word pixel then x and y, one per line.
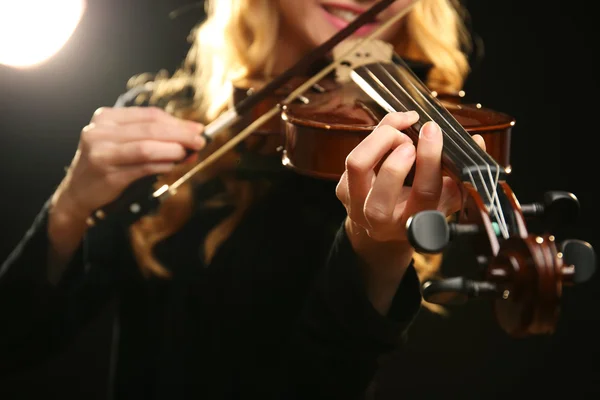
pixel 136 208
pixel 229 117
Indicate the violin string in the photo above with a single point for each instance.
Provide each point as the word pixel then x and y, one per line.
pixel 494 206
pixel 466 138
pixel 235 113
pixel 168 190
pixel 494 200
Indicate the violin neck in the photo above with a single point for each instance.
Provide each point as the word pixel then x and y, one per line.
pixel 396 88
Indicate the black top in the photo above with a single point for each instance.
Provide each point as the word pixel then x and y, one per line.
pixel 280 313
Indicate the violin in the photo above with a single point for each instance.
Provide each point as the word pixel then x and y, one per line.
pixel 523 273
pixel 316 133
pixel 316 122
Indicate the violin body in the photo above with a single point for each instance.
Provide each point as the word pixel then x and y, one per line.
pixel 316 133
pixel 319 135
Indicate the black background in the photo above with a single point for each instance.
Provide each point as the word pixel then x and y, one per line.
pixel 538 66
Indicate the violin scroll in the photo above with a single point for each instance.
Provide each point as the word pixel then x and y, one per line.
pixel 524 276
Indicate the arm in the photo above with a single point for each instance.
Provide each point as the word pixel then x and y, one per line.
pixel 368 294
pixel 44 302
pixel 340 336
pixel 48 286
pixel 383 265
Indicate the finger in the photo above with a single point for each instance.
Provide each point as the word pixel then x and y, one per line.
pixel 128 115
pixel 383 198
pixel 128 174
pixel 341 190
pixel 361 163
pixel 140 152
pixel 427 183
pixel 451 197
pixel 480 141
pixel 173 131
pixel 400 120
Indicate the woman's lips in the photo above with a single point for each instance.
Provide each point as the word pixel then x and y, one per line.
pixel 340 23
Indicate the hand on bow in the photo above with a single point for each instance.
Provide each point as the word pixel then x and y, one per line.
pixel 119 146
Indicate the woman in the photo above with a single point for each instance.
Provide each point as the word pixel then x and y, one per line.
pixel 260 284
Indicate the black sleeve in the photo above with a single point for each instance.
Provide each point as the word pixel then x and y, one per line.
pixel 40 315
pixel 340 335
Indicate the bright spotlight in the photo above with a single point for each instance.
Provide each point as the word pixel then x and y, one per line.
pixel 32 31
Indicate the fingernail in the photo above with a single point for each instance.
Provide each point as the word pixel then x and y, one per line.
pixel 429 132
pixel 412 114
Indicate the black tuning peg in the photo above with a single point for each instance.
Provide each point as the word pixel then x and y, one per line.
pixel 456 290
pixel 429 232
pixel 581 257
pixel 557 210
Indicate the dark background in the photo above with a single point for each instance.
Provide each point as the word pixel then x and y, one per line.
pixel 538 66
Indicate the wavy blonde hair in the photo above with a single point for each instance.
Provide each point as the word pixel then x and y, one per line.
pixel 236 41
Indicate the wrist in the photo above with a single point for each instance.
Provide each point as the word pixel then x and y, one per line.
pixel 67 225
pixel 65 206
pixel 66 217
pixel 383 264
pixel 389 258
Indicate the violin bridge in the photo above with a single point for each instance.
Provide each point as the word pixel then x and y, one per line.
pixel 367 53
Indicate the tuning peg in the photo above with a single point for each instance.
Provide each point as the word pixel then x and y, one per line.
pixel 579 260
pixel 558 209
pixel 456 290
pixel 429 232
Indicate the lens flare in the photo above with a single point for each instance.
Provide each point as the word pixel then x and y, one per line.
pixel 33 31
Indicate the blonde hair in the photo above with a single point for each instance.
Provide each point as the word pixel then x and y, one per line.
pixel 236 41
